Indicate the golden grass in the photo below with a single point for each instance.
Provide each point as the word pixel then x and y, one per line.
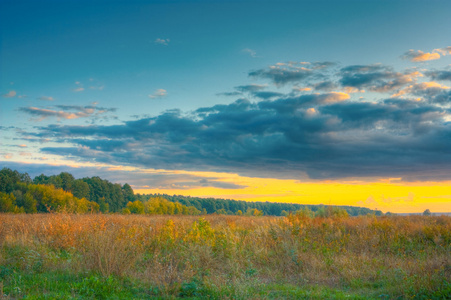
pixel 396 254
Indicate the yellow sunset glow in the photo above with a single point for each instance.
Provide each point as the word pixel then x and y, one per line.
pixel 383 195
pixel 389 194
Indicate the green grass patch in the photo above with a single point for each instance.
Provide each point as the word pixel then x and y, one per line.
pixel 65 285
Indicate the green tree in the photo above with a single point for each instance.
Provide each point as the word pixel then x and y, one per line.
pixel 7 202
pixel 221 211
pixel 136 207
pixel 305 213
pixel 427 212
pixel 66 181
pixel 331 211
pixel 93 207
pixel 127 191
pixel 80 189
pixel 254 212
pixel 56 181
pixel 9 180
pixel 103 205
pixel 41 179
pixel 29 204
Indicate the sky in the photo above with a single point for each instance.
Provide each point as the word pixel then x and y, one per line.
pixel 311 102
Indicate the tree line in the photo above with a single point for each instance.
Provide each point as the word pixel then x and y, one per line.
pixel 18 194
pixel 239 207
pixel 62 192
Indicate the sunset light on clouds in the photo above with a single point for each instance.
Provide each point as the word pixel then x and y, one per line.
pixel 305 102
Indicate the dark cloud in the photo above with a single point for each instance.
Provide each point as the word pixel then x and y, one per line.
pixel 250 88
pixel 363 76
pixel 321 77
pixel 393 117
pixel 291 105
pixel 444 97
pixel 327 86
pixel 322 64
pixel 363 68
pixel 86 109
pixel 402 130
pixel 254 90
pixel 360 80
pixel 432 92
pixel 140 116
pixel 204 182
pixel 7 127
pixel 66 111
pixel 229 94
pixel 323 135
pixel 102 145
pixel 440 75
pixel 281 75
pixel 377 78
pixel 267 95
pixel 294 72
pixel 428 92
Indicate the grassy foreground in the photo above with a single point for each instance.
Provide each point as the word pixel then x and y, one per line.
pixel 48 256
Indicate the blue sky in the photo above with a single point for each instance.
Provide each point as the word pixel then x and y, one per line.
pixel 49 45
pixel 305 90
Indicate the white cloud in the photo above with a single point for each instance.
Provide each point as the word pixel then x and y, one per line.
pixel 443 51
pixel 10 94
pixel 333 97
pixel 46 98
pixel 162 41
pixel 251 52
pixel 351 90
pixel 420 56
pixel 302 89
pixel 158 94
pixel 79 87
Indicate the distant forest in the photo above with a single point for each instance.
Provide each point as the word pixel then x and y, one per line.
pixel 63 193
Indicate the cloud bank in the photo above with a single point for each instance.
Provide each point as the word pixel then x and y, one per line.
pixel 331 122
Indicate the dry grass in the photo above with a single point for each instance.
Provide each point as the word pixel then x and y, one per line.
pixel 398 255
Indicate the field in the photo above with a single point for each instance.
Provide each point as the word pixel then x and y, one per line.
pixel 48 256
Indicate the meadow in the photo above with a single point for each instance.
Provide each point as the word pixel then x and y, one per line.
pixel 101 256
